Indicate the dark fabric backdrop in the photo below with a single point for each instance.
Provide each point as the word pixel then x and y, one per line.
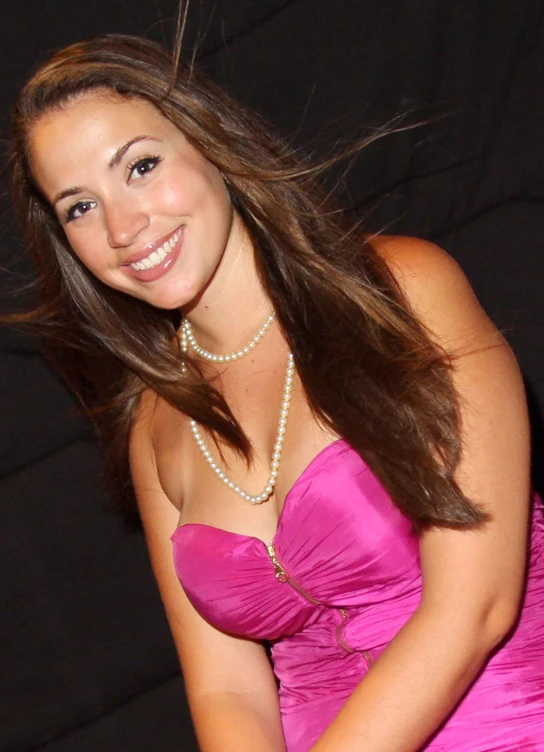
pixel 86 660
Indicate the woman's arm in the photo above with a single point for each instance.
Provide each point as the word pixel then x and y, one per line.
pixel 230 685
pixel 472 581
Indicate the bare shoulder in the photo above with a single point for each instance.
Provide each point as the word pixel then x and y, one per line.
pixel 419 266
pixel 153 503
pixel 435 288
pixel 141 433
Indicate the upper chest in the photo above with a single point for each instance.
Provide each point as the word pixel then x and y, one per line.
pixel 256 401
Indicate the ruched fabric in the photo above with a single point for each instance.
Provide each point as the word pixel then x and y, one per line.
pixel 340 579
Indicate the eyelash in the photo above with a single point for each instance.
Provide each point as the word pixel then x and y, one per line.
pixel 154 159
pixel 68 215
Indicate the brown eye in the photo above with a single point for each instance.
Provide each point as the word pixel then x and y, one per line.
pixel 78 210
pixel 142 166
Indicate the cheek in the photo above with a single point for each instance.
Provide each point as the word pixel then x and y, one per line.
pixel 214 197
pixel 192 185
pixel 87 250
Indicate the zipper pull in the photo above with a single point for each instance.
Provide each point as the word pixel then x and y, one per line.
pixel 281 574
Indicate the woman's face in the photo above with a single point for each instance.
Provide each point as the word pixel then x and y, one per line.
pixel 140 206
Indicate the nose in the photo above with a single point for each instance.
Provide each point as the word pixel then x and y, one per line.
pixel 124 222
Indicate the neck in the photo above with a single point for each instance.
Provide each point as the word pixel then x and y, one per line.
pixel 233 306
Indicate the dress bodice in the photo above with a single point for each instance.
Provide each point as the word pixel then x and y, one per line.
pixel 340 542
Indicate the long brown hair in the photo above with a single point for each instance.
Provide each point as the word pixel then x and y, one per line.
pixel 369 369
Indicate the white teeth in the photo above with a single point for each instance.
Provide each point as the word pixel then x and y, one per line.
pixel 157 256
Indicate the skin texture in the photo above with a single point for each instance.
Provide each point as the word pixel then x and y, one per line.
pixel 159 185
pixel 472 580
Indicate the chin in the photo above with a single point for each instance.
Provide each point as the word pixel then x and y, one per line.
pixel 173 294
pixel 174 301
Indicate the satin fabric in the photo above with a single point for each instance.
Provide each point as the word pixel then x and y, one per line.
pixel 346 578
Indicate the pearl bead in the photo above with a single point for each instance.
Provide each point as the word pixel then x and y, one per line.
pixel 187 338
pixel 278 445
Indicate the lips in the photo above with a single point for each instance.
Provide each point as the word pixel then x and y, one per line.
pixel 156 258
pixel 151 248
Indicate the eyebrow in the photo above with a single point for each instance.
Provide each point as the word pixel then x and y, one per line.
pixel 65 194
pixel 114 161
pixel 120 153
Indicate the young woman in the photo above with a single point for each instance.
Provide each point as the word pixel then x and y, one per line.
pixel 328 430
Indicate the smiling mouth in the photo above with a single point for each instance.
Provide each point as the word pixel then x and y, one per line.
pixel 156 257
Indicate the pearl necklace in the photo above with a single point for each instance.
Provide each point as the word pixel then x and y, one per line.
pixel 188 339
pixel 276 453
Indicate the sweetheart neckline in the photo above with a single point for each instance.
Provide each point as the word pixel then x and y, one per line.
pixel 311 464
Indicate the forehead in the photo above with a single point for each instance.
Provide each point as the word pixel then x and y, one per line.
pixel 95 113
pixel 85 132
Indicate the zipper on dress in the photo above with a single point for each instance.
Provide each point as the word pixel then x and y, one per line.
pixel 339 631
pixel 343 644
pixel 283 576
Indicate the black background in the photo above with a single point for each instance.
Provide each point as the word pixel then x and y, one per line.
pixel 86 659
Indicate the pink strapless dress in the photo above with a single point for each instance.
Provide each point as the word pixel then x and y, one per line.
pixel 340 580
